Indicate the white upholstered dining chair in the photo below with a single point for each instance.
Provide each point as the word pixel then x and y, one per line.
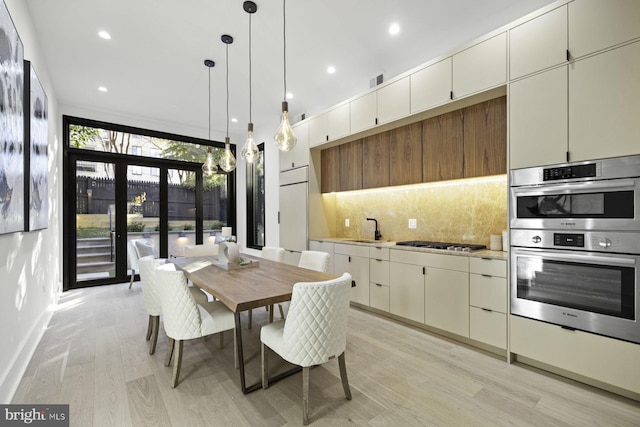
pixel 184 319
pixel 136 249
pixel 151 296
pixel 312 260
pixel 272 253
pixel 314 332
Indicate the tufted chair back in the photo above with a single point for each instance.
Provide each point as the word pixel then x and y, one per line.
pixel 181 314
pixel 316 326
pixel 150 293
pixel 273 253
pixel 314 260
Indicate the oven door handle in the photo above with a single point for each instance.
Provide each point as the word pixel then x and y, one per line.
pixel 576 257
pixel 583 186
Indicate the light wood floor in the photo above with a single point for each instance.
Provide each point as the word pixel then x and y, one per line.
pixel 94 357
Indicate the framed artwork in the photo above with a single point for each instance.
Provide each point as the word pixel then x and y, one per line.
pixel 37 156
pixel 12 202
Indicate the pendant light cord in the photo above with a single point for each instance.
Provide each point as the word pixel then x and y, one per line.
pixel 284 37
pixel 227 57
pixel 250 120
pixel 209 103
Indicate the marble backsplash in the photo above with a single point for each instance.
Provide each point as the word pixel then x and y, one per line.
pixel 465 211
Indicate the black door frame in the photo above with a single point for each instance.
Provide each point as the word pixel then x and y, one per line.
pixel 121 162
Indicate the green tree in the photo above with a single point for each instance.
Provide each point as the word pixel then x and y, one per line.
pixel 197 154
pixel 80 136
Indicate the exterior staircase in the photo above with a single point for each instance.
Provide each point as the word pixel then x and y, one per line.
pixel 95 258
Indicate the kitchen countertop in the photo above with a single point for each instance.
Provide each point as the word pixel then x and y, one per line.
pixel 486 253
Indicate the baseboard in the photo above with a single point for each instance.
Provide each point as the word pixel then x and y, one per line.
pixel 13 375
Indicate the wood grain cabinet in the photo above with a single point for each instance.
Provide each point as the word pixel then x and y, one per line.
pixel 330 169
pixel 375 161
pixel 405 155
pixel 350 166
pixel 485 136
pixel 442 147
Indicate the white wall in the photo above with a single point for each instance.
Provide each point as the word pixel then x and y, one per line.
pixel 30 265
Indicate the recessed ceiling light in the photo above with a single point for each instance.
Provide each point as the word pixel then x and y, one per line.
pixel 289 95
pixel 331 69
pixel 394 29
pixel 102 89
pixel 234 120
pixel 104 35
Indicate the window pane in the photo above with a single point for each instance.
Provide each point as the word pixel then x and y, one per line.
pixel 182 210
pixel 255 201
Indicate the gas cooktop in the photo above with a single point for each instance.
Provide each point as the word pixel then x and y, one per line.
pixel 445 246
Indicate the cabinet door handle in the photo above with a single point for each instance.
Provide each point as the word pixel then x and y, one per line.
pixel 349 259
pixel 486 275
pixel 568 55
pixel 293 165
pixel 378 284
pixel 567 156
pixel 376 122
pixel 451 95
pixel 379 260
pixel 486 259
pixel 327 137
pixel 487 310
pixel 424 271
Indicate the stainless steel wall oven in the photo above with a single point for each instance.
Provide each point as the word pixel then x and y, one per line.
pixel 575 245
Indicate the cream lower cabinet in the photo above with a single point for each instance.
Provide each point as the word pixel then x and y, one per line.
pixel 354 259
pixel 488 301
pixel 608 360
pixel 406 290
pixel 379 278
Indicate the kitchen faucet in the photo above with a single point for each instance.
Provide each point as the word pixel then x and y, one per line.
pixel 377 233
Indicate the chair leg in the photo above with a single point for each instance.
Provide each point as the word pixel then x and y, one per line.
pixel 281 311
pixel 305 395
pixel 154 334
pixel 133 275
pixel 270 314
pixel 343 376
pixel 221 339
pixel 149 328
pixel 235 350
pixel 167 359
pixel 250 319
pixel 177 362
pixel 265 369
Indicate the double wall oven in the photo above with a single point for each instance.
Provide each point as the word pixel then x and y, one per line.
pixel 575 245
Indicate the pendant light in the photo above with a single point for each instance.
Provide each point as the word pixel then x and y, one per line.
pixel 285 137
pixel 228 161
pixel 209 166
pixel 250 149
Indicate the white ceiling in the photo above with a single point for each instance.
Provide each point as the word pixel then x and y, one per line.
pixel 153 65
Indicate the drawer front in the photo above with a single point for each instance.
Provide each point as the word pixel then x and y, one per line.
pixel 488 292
pixel 489 327
pixel 491 267
pixel 447 262
pixel 353 250
pixel 379 296
pixel 379 272
pixel 379 253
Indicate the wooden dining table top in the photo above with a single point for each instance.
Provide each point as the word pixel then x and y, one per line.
pixel 261 283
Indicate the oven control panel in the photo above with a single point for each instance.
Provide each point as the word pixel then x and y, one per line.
pixel 593 241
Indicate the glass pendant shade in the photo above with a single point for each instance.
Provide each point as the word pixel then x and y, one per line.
pixel 285 137
pixel 250 149
pixel 228 160
pixel 209 166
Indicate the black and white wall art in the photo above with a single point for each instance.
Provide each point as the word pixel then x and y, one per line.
pixel 11 126
pixel 36 158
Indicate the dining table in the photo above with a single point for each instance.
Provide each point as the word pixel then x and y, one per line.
pixel 252 283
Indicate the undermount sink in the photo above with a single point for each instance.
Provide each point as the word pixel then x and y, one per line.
pixel 366 241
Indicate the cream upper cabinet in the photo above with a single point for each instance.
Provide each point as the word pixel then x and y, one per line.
pixel 339 122
pixel 538 44
pixel 319 129
pixel 299 155
pixel 431 86
pixel 364 112
pixel 394 101
pixel 480 67
pixel 538 119
pixel 329 126
pixel 595 24
pixel 604 104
